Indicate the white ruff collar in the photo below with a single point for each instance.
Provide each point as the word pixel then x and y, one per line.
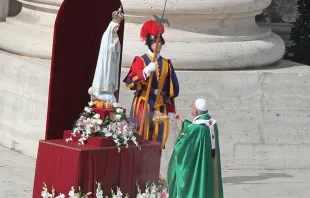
pixel 199 116
pixel 152 54
pixel 208 123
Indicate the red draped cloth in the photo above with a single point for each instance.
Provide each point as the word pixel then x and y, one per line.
pixel 62 165
pixel 78 30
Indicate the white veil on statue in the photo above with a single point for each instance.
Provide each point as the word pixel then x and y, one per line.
pixel 106 79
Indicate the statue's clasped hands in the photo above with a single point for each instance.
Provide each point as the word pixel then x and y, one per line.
pixel 115 41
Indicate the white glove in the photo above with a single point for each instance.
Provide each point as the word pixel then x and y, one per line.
pixel 148 69
pixel 171 114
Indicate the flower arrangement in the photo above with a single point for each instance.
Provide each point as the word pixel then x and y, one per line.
pixel 151 191
pixel 71 194
pixel 116 126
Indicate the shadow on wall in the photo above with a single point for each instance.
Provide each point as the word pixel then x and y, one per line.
pixel 14 8
pixel 262 176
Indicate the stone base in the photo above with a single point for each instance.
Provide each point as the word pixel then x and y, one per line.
pixel 209 53
pixel 23 102
pixel 263 115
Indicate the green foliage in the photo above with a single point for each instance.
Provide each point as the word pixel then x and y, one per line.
pixel 300 35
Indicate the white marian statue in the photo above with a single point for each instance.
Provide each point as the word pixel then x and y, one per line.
pixel 106 80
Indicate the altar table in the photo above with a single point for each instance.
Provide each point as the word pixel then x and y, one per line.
pixel 62 165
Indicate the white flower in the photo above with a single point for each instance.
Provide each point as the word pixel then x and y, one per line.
pixel 153 189
pixel 119 110
pixel 60 196
pixel 118 117
pixel 45 194
pixel 99 194
pixel 71 193
pixel 142 195
pixel 115 105
pixel 104 130
pixel 116 141
pixel 90 103
pixel 97 116
pixel 94 121
pixel 108 134
pixel 99 121
pixel 119 193
pixel 87 109
pixel 81 140
pixel 75 130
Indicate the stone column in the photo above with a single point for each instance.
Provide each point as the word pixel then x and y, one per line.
pixel 30 33
pixel 205 34
pixel 4 9
pixel 25 53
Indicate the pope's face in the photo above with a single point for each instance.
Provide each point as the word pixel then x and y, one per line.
pixel 194 110
pixel 153 46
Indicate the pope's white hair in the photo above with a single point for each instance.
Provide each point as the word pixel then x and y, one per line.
pixel 201 112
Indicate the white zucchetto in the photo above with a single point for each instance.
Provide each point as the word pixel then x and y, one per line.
pixel 201 104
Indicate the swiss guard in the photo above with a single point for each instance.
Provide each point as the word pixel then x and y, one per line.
pixel 163 90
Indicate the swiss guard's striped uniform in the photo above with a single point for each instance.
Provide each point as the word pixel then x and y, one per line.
pixel 164 89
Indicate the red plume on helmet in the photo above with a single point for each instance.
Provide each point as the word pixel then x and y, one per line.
pixel 149 27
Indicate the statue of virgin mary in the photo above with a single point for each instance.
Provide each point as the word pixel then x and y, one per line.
pixel 106 80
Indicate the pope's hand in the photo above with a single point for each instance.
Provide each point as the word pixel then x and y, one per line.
pixel 179 116
pixel 149 68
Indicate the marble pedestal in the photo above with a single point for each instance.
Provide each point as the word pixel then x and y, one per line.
pixel 205 35
pixel 24 85
pixel 30 33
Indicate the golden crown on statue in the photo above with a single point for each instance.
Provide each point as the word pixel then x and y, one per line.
pixel 117 16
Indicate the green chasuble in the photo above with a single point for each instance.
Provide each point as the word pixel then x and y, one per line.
pixel 191 166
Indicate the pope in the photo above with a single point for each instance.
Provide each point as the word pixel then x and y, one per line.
pixel 195 166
